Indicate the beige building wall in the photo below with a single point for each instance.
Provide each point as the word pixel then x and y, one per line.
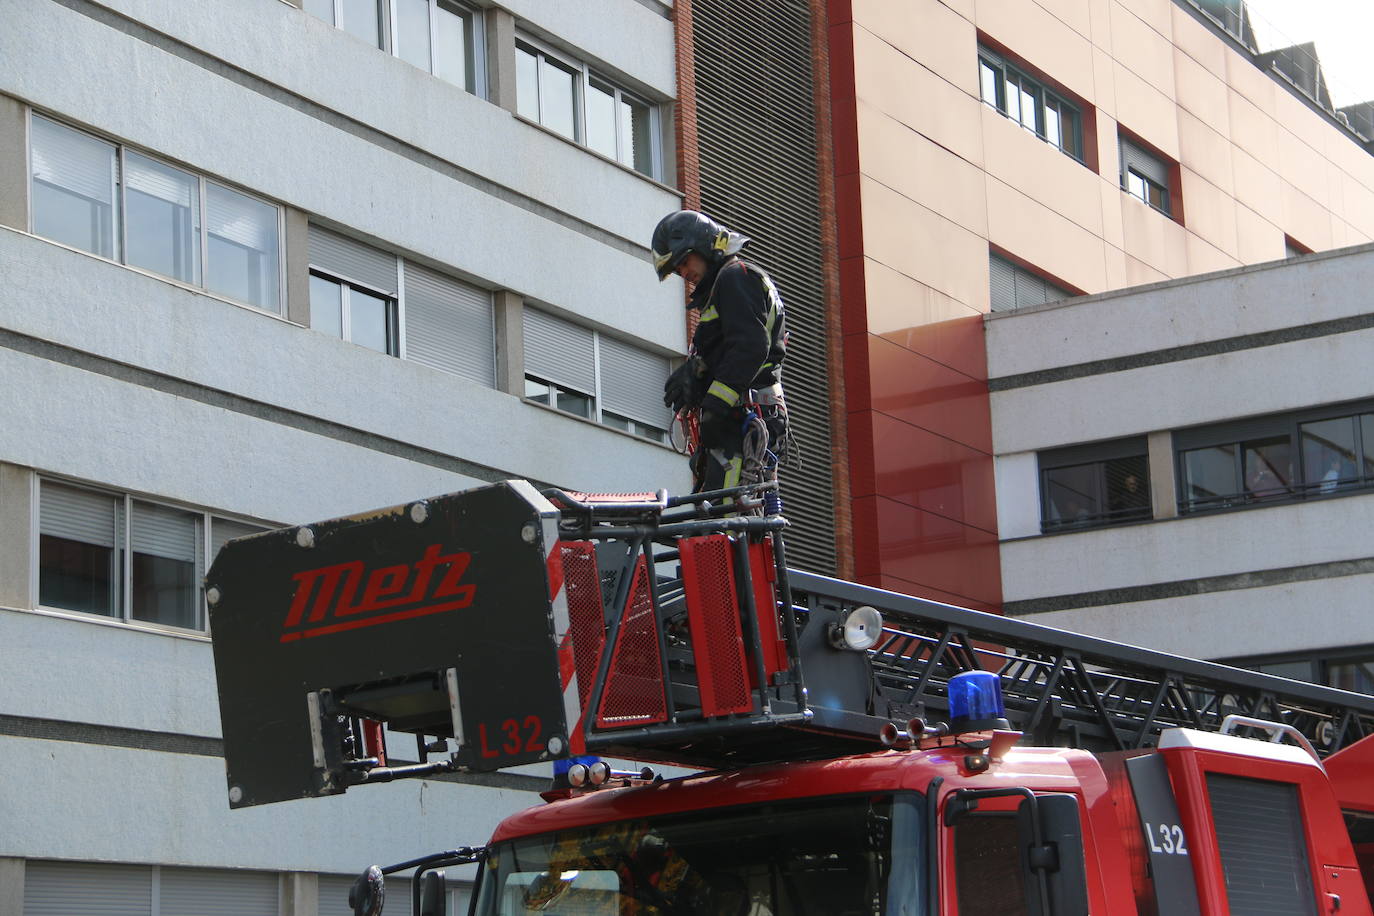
pixel 942 174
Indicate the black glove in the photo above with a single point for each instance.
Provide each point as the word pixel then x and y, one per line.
pixel 717 422
pixel 684 387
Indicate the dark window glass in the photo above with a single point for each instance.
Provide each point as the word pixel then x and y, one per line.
pixel 1367 445
pixel 1268 468
pixel 1353 675
pixel 1096 493
pixel 370 321
pixel 538 391
pixel 574 402
pixel 166 544
pixel 1328 454
pixel 831 856
pixel 1209 476
pixel 164 590
pixel 987 865
pixel 78 576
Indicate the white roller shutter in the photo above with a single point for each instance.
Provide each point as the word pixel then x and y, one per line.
pixel 559 351
pixel 1003 283
pixel 449 325
pixel 73 161
pixel 349 260
pixel 240 219
pixel 222 530
pixel 632 382
pixel 1133 157
pixel 150 177
pixel 80 515
pixel 163 532
pixel 218 892
pixel 81 889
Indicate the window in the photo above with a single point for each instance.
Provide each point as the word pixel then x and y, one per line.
pixel 568 98
pixel 131 559
pixel 438 36
pixel 1345 669
pixel 127 206
pixel 1014 287
pixel 375 299
pixel 1314 453
pixel 1035 107
pixel 1095 485
pixel 591 375
pixel 1146 176
pixel 354 291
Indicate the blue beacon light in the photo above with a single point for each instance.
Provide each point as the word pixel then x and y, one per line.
pixel 975 703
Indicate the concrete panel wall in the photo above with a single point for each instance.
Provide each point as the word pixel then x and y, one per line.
pixel 1270 538
pixel 538 200
pixel 1328 612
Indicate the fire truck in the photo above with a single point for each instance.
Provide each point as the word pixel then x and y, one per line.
pixel 859 751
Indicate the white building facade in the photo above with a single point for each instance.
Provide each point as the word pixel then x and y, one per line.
pixel 1189 465
pixel 271 264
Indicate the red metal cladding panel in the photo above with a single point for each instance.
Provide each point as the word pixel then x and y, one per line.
pixel 586 615
pixel 713 618
pixel 764 572
pixel 634 687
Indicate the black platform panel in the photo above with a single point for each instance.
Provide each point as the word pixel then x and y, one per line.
pixel 378 616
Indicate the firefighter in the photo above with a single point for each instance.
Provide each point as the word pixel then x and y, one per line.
pixel 734 370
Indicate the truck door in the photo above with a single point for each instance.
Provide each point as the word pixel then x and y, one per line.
pixel 1012 852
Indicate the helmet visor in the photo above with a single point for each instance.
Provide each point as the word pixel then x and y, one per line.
pixel 667 262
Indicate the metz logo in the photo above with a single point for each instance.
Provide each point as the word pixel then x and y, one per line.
pixel 328 599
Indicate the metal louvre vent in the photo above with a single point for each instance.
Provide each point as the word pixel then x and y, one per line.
pixel 757 144
pixel 1263 846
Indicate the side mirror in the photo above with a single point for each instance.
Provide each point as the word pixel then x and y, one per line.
pixel 433 893
pixel 368 893
pixel 1058 858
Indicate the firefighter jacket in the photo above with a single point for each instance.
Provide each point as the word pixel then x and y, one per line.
pixel 741 334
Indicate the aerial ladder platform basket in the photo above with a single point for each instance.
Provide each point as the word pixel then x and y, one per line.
pixel 503 626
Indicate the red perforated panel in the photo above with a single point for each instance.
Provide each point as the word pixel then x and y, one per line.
pixel 764 573
pixel 634 687
pixel 713 617
pixel 586 616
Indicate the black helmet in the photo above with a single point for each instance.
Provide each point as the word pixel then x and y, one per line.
pixel 686 231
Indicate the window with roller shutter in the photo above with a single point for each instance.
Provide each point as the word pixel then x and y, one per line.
pixel 595 376
pixel 121 204
pixel 110 554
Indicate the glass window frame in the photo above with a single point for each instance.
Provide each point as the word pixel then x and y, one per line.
pixel 394 327
pixel 120 216
pixel 123 613
pixel 1095 456
pixel 585 79
pixel 389 17
pixel 1005 74
pixel 1237 434
pixel 1136 183
pixel 599 414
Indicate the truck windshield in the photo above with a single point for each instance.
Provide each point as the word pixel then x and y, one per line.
pixel 832 856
